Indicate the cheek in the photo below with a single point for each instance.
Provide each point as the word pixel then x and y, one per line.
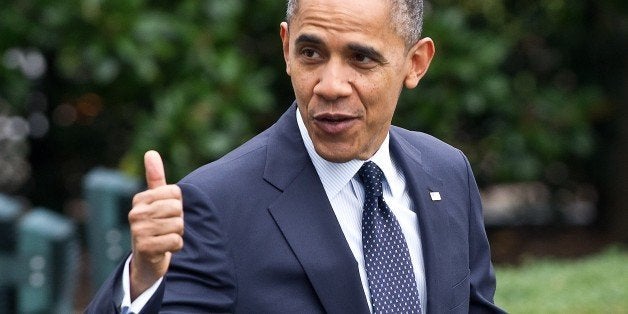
pixel 375 94
pixel 378 119
pixel 304 82
pixel 380 104
pixel 301 91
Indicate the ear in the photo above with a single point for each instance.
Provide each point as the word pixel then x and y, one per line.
pixel 420 55
pixel 285 41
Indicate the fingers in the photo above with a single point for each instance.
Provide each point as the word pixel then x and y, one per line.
pixel 154 166
pixel 155 213
pixel 165 208
pixel 156 229
pixel 160 193
pixel 158 236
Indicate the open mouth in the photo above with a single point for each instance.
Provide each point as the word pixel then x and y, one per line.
pixel 334 123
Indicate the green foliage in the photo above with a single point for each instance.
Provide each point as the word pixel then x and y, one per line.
pixel 173 74
pixel 510 84
pixel 596 284
pixel 504 88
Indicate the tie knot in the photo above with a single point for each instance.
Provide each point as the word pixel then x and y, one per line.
pixel 371 177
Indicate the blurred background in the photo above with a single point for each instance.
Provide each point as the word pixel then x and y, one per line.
pixel 534 92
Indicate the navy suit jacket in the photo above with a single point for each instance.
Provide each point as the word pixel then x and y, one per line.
pixel 261 235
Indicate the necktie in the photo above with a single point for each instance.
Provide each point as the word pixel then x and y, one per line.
pixel 386 256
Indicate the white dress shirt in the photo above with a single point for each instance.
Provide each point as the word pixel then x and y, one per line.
pixel 346 196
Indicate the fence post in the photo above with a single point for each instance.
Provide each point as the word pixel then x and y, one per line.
pixel 48 256
pixel 109 194
pixel 10 211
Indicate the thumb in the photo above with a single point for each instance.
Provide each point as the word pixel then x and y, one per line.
pixel 155 175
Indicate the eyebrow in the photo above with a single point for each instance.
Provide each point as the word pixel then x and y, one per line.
pixel 367 51
pixel 307 38
pixel 354 47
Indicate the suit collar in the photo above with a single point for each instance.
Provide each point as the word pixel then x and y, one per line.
pixel 433 218
pixel 307 221
pixel 334 176
pixel 411 160
pixel 286 156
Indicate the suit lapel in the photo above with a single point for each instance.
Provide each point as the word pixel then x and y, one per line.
pixel 433 220
pixel 305 217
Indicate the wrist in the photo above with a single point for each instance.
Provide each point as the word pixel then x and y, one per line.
pixel 141 277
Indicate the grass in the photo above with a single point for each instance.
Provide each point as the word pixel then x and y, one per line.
pixel 595 284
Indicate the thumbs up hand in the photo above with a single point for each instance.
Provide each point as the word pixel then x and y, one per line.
pixel 156 222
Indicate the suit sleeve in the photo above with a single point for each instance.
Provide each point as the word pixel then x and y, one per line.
pixel 109 296
pixel 482 276
pixel 200 278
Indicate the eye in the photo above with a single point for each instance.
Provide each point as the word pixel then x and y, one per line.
pixel 360 58
pixel 363 61
pixel 310 53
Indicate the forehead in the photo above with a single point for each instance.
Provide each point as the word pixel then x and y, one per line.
pixel 359 17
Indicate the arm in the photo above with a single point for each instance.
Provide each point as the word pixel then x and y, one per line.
pixel 482 277
pixel 140 302
pixel 200 276
pixel 156 223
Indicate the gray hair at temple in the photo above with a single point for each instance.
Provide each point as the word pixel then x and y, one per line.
pixel 406 15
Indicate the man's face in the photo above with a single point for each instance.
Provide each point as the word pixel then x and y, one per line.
pixel 348 65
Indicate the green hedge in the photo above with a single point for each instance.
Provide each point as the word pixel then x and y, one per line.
pixel 517 85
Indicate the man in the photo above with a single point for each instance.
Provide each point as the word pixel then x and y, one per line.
pixel 296 220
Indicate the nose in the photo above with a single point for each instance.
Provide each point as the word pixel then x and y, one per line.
pixel 334 81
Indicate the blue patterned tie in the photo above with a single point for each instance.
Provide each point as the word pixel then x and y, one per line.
pixel 386 256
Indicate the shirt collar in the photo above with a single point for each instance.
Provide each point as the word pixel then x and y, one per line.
pixel 335 176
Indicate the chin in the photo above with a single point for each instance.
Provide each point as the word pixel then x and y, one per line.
pixel 335 154
pixel 337 159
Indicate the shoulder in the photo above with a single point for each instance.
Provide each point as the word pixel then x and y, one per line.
pixel 434 156
pixel 247 160
pixel 427 146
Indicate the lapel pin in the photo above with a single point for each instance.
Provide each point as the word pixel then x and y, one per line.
pixel 435 196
